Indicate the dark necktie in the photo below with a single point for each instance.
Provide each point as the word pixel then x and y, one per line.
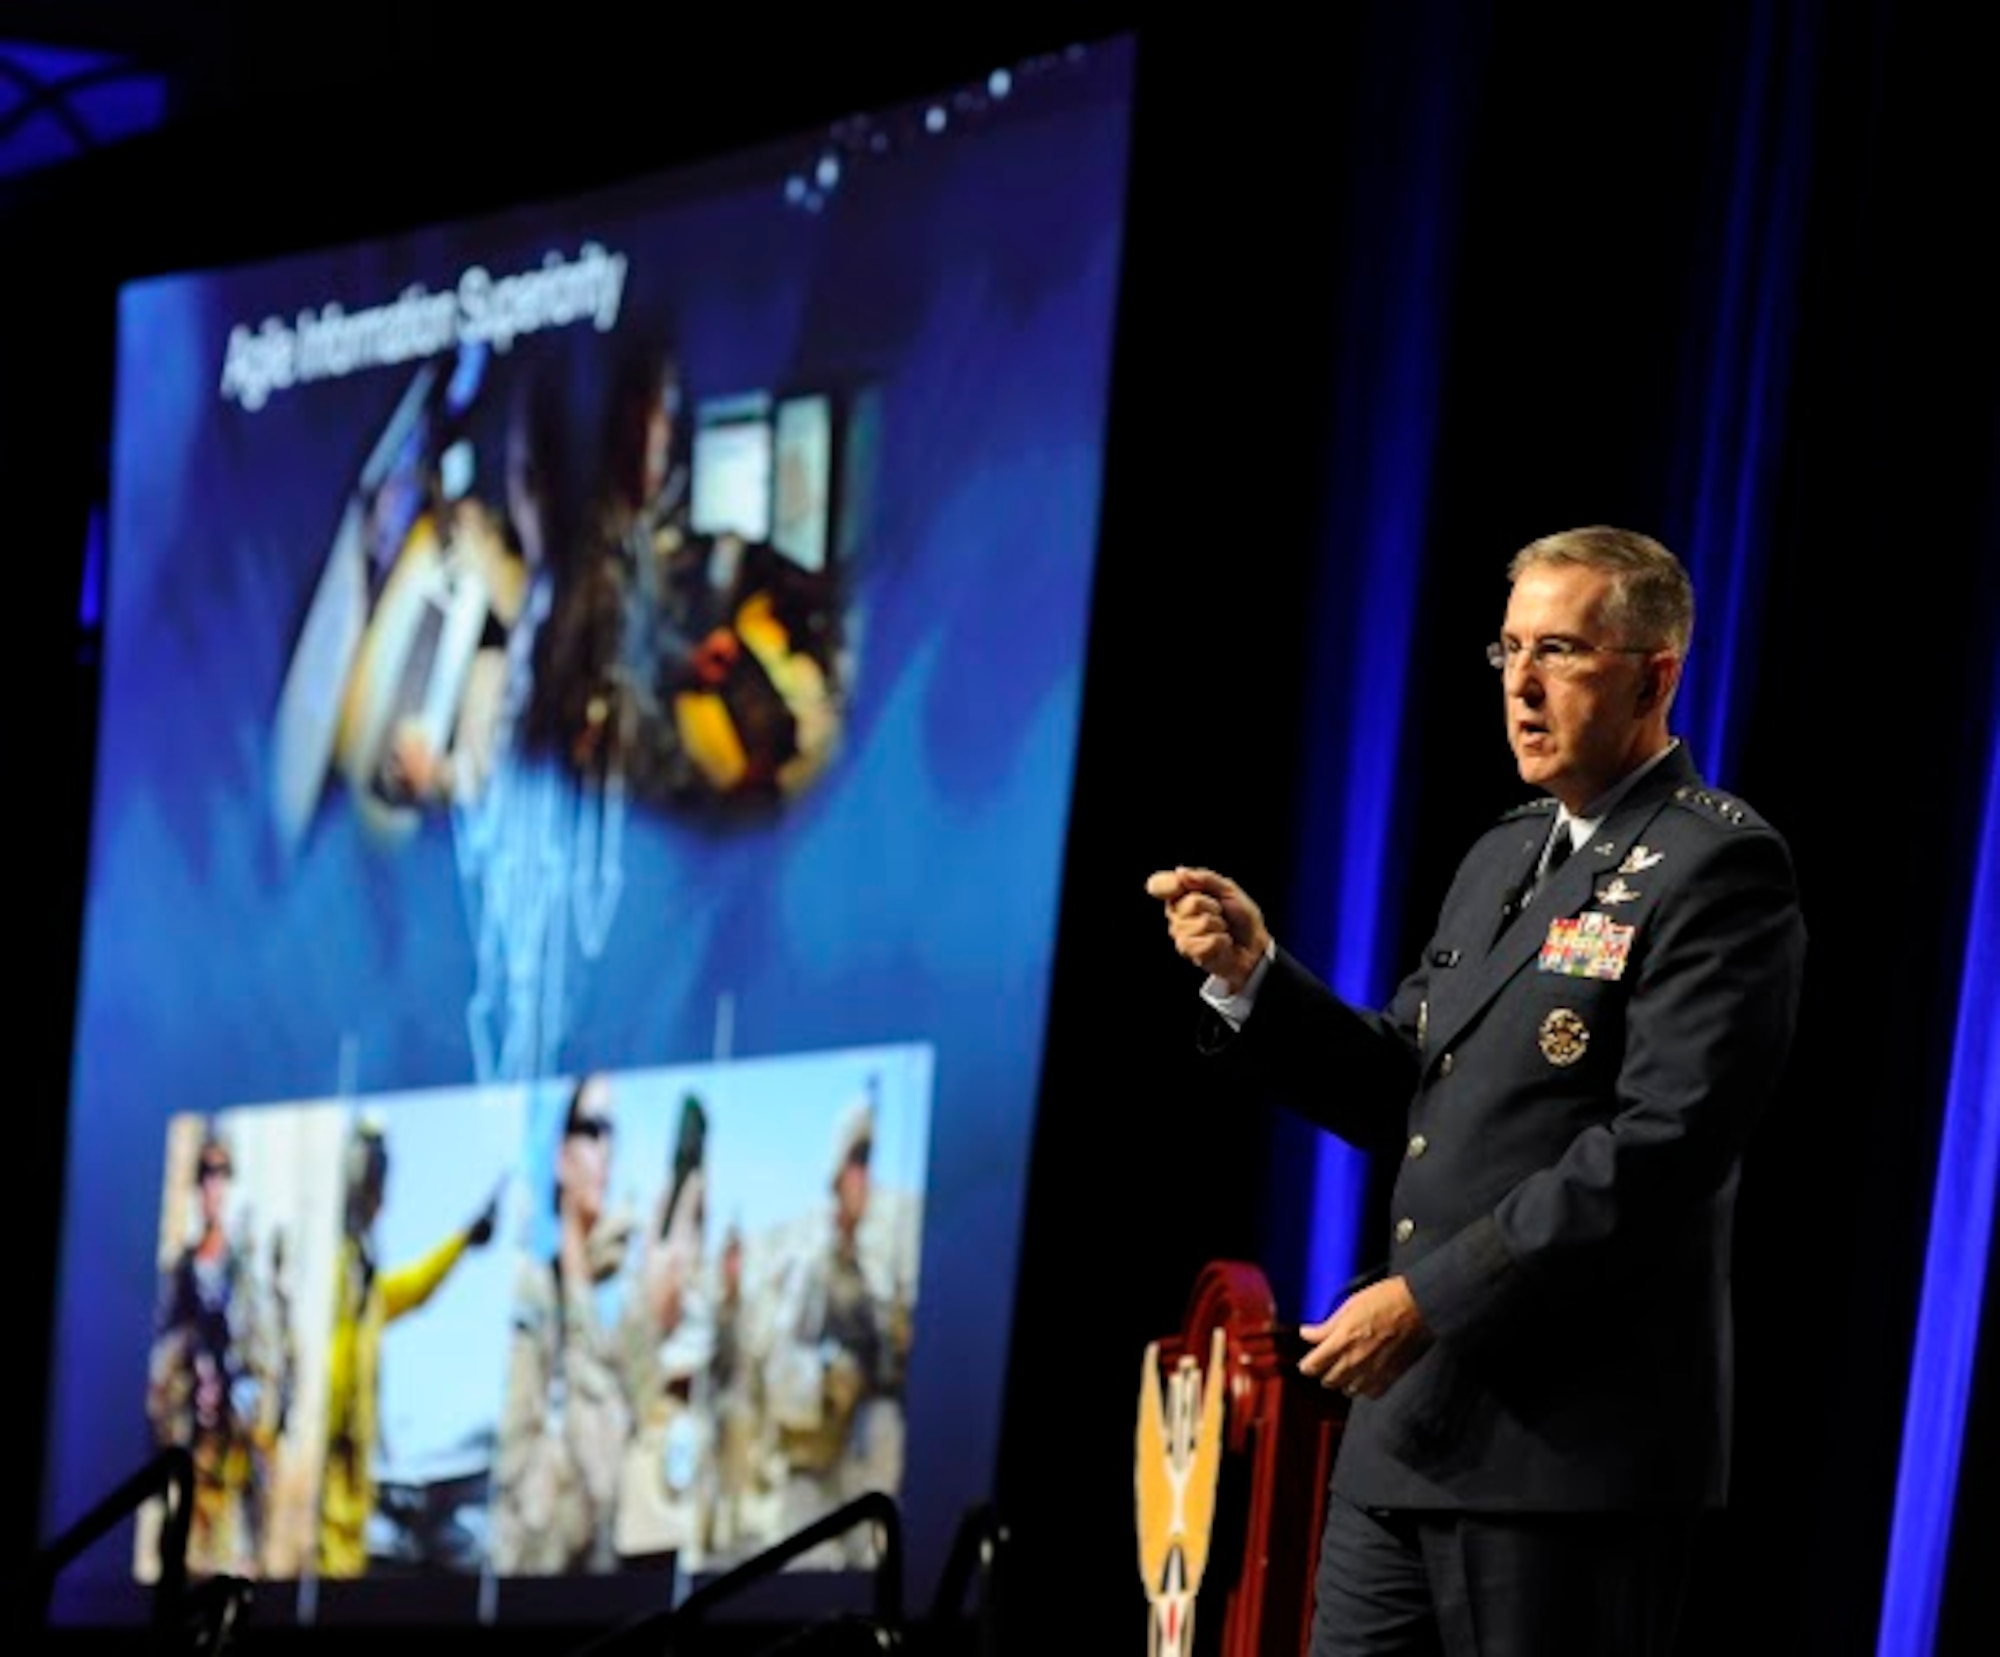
pixel 1560 846
pixel 1559 850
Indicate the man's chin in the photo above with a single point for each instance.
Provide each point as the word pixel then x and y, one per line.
pixel 1535 769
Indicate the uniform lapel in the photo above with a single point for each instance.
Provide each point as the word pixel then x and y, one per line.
pixel 1520 941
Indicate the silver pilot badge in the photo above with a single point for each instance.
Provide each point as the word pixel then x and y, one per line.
pixel 1639 860
pixel 1563 1036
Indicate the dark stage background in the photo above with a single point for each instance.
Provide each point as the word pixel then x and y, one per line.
pixel 1403 282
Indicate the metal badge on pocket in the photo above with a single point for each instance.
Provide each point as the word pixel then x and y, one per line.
pixel 1563 1037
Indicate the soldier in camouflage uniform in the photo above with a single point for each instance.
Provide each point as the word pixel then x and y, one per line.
pixel 566 1417
pixel 203 1383
pixel 834 1374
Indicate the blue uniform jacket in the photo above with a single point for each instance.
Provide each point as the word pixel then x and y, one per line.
pixel 1567 1091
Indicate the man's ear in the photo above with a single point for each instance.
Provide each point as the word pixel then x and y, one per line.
pixel 1656 687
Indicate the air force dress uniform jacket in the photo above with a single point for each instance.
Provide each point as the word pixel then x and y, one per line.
pixel 1568 1088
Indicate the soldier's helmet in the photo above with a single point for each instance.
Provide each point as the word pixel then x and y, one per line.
pixel 214 1156
pixel 365 1164
pixel 854 1135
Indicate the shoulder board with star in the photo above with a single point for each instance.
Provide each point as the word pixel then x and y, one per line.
pixel 1716 807
pixel 1543 807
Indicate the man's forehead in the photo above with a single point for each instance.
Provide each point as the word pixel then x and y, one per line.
pixel 1547 593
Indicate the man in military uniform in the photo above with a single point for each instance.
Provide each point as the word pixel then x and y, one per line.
pixel 1540 1374
pixel 566 1417
pixel 666 1340
pixel 834 1374
pixel 736 1388
pixel 203 1388
pixel 367 1299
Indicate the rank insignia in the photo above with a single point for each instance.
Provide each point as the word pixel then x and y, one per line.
pixel 1564 1036
pixel 1618 891
pixel 1590 945
pixel 1639 859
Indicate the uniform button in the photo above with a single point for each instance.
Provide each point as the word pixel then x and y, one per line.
pixel 1418 1144
pixel 1445 1064
pixel 1405 1230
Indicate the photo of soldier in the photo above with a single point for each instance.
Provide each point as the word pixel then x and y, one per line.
pixel 742 1506
pixel 611 634
pixel 696 662
pixel 372 1292
pixel 421 697
pixel 567 1413
pixel 246 1229
pixel 666 1332
pixel 397 649
pixel 207 1383
pixel 675 1399
pixel 839 1344
pixel 537 526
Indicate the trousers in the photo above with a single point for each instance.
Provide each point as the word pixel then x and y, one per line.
pixel 1442 1584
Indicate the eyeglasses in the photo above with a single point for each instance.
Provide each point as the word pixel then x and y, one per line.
pixel 1557 655
pixel 590 1127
